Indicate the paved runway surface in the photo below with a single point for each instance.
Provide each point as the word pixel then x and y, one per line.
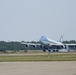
pixel 38 68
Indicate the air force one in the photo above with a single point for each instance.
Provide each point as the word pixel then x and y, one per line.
pixel 51 45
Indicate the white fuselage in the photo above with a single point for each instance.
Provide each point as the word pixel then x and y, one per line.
pixel 46 40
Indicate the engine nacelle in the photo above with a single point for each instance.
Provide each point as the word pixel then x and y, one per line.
pixel 34 46
pixel 26 45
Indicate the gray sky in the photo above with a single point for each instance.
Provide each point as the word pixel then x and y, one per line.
pixel 28 20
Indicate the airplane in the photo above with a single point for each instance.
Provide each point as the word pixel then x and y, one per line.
pixel 50 45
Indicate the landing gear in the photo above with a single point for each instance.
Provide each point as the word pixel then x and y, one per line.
pixel 49 50
pixel 44 50
pixel 53 50
pixel 57 50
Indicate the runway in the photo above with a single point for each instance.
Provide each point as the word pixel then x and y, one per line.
pixel 38 68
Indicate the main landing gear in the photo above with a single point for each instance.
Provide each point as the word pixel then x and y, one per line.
pixel 53 50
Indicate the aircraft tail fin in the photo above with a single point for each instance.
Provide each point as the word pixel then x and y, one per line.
pixel 61 37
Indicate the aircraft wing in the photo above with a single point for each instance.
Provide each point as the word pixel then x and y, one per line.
pixel 70 46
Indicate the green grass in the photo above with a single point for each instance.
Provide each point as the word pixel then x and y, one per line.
pixel 38 57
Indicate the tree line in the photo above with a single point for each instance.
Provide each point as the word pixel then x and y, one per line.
pixel 69 42
pixel 11 46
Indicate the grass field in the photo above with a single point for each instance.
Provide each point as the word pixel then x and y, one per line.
pixel 37 57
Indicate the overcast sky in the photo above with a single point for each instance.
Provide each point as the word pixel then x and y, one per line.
pixel 28 20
